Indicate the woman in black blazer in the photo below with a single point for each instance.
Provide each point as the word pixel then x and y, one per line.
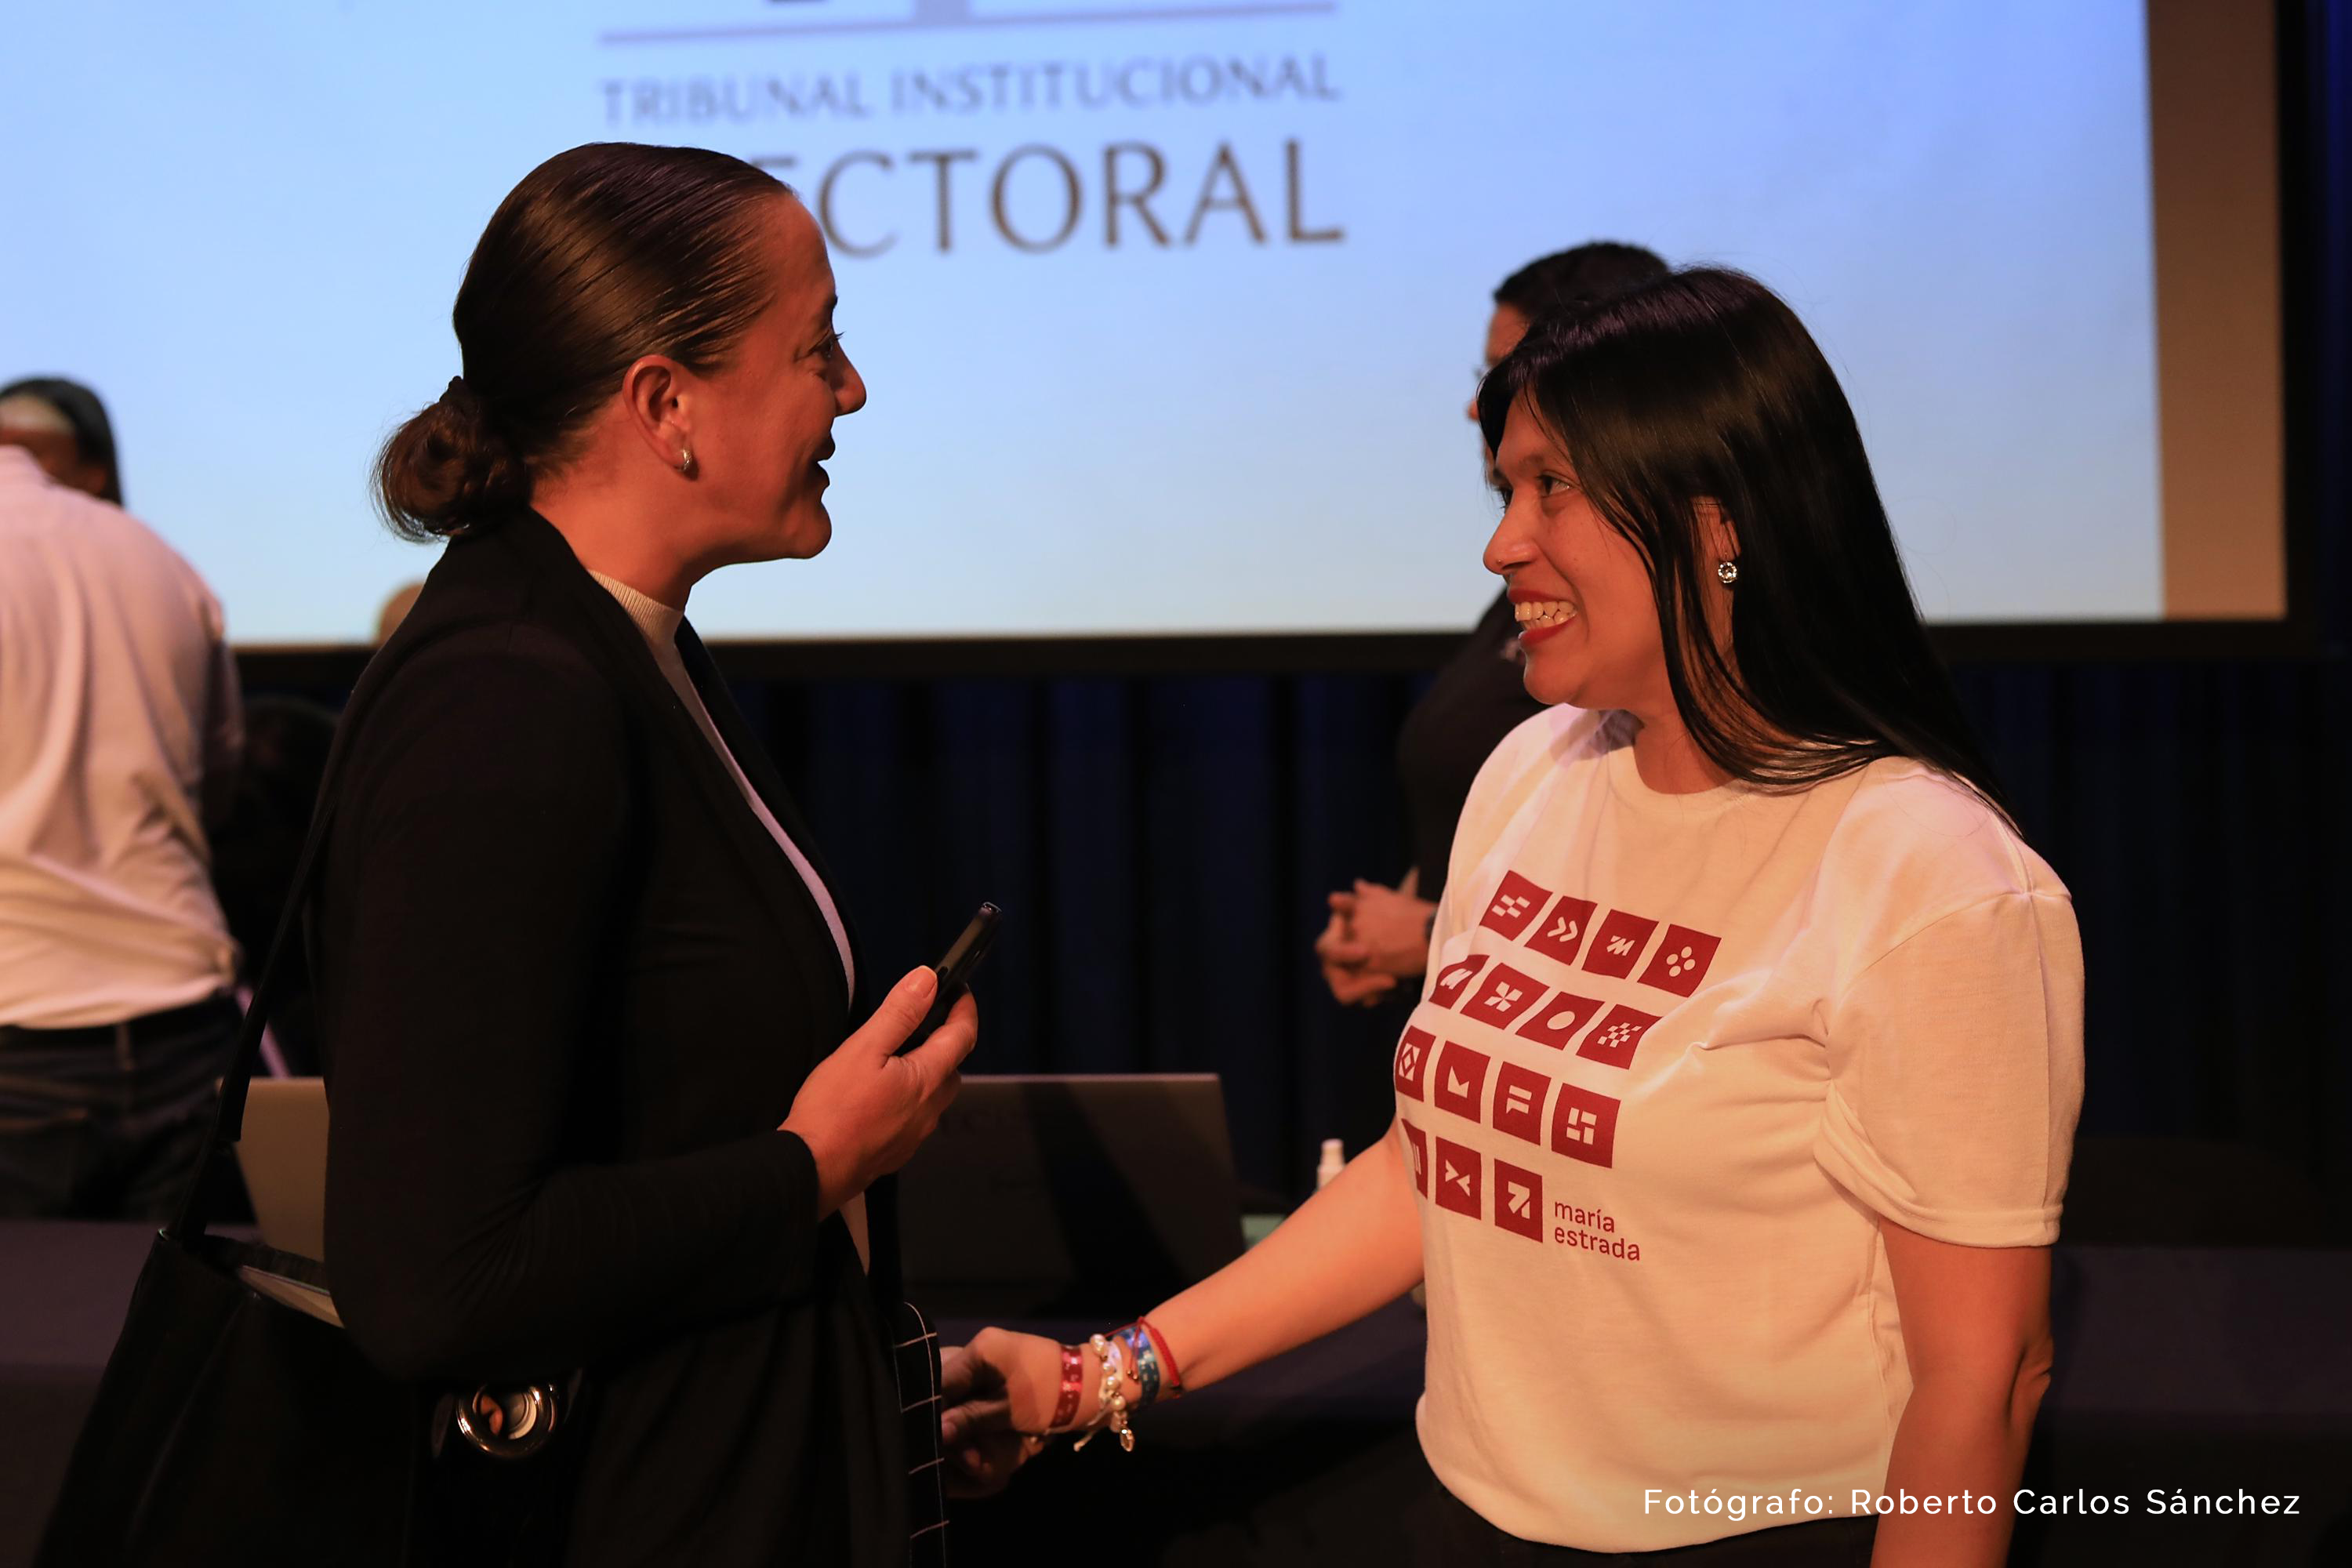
pixel 589 1010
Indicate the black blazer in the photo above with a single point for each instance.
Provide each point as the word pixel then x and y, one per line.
pixel 568 987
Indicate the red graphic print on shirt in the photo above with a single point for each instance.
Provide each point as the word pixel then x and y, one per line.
pixel 1615 1038
pixel 1584 1125
pixel 1505 995
pixel 1555 1023
pixel 1561 930
pixel 1413 1054
pixel 1513 906
pixel 1519 1101
pixel 1518 1200
pixel 1459 1178
pixel 1454 981
pixel 1417 1146
pixel 1618 943
pixel 1460 1082
pixel 1681 959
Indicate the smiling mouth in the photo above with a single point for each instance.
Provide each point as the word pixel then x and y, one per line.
pixel 1534 615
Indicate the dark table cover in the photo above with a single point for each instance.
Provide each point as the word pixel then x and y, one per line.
pixel 2197 1372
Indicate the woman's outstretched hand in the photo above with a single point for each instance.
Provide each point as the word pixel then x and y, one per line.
pixel 997 1397
pixel 866 1110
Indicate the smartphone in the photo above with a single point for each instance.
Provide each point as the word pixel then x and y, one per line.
pixel 956 968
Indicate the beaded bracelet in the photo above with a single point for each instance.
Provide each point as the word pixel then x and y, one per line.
pixel 1113 1392
pixel 1074 1377
pixel 1108 1398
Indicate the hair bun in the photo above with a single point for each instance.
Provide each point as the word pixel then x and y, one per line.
pixel 449 468
pixel 464 400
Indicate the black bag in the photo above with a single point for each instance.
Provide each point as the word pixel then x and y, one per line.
pixel 237 1422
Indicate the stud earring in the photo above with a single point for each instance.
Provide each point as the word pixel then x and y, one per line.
pixel 685 461
pixel 1727 573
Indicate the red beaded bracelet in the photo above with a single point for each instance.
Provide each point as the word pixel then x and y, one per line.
pixel 1074 1377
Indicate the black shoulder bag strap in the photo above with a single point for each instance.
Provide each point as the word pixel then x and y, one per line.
pixel 201 1205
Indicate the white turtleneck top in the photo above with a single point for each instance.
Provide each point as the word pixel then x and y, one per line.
pixel 659 623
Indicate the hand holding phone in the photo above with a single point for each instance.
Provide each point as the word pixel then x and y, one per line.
pixel 866 1109
pixel 955 970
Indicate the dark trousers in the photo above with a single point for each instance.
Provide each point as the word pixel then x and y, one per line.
pixel 1448 1534
pixel 108 1122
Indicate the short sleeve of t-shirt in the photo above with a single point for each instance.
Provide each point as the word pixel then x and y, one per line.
pixel 1956 1073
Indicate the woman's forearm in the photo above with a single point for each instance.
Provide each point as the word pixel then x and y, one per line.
pixel 1353 1247
pixel 1959 1438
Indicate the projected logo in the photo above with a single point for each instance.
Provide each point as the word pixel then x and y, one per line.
pixel 1180 184
pixel 802 18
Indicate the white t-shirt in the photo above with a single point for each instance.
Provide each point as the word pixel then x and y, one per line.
pixel 118 710
pixel 1674 1057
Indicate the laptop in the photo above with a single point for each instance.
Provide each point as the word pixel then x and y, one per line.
pixel 1086 1194
pixel 282 1150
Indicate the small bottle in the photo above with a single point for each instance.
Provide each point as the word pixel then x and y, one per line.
pixel 1334 1161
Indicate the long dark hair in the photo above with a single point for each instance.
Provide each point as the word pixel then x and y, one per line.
pixel 602 255
pixel 83 409
pixel 1702 387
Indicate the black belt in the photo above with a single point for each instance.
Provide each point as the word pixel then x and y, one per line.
pixel 142 1029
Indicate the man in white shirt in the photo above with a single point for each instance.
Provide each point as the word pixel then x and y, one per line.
pixel 119 720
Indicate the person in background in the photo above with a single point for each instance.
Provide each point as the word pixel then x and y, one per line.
pixel 64 426
pixel 119 714
pixel 1378 935
pixel 1733 1127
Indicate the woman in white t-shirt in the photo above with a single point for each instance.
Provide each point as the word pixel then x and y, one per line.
pixel 1733 1123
